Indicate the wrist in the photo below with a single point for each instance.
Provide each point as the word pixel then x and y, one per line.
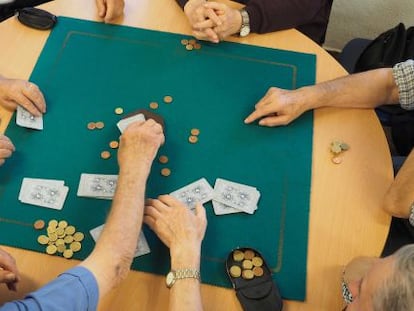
pixel 185 257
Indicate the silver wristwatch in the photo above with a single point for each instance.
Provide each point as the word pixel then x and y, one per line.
pixel 411 218
pixel 245 26
pixel 180 274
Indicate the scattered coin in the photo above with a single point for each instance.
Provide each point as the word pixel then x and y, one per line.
pixel 258 271
pixel 39 224
pixel 51 249
pixel 62 224
pixel 42 239
pixel 235 271
pixel 165 172
pixel 184 41
pixel 69 230
pixel 247 274
pixel 105 155
pixel 75 246
pixel 68 253
pixel 153 105
pixel 163 159
pixel 168 99
pixel 91 125
pixel 197 46
pixel 337 160
pixel 119 110
pixel 195 132
pixel 192 41
pixel 193 139
pixel 189 47
pixel 78 236
pixel 53 223
pixel 114 144
pixel 100 125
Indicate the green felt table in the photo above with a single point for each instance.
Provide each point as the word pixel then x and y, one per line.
pixel 87 69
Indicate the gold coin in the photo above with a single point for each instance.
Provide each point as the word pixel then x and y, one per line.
pixel 257 261
pixel 114 144
pixel 91 125
pixel 247 274
pixel 197 46
pixel 192 41
pixel 61 248
pixel 163 159
pixel 78 236
pixel 105 155
pixel 51 249
pixel 59 242
pixel 68 239
pixel 235 271
pixel 248 254
pixel 68 253
pixel 168 99
pixel 189 47
pixel 75 246
pixel 165 172
pixel 51 230
pixel 53 237
pixel 70 230
pixel 258 271
pixel 238 255
pixel 39 224
pixel 195 132
pixel 193 139
pixel 100 125
pixel 153 105
pixel 60 231
pixel 63 224
pixel 119 110
pixel 184 41
pixel 42 239
pixel 337 160
pixel 53 223
pixel 247 264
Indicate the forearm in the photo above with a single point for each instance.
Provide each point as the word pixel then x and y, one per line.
pixel 111 259
pixel 364 90
pixel 400 196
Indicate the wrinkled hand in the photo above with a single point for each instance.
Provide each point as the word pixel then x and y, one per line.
pixel 9 274
pixel 139 143
pixel 6 148
pixel 109 10
pixel 14 92
pixel 277 107
pixel 198 14
pixel 230 20
pixel 174 223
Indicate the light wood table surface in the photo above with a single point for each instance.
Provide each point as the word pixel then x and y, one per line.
pixel 345 215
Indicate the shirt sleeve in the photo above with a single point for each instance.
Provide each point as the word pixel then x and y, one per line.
pixel 404 78
pixel 75 289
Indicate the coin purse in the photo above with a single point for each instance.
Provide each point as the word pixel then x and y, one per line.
pixel 36 18
pixel 255 290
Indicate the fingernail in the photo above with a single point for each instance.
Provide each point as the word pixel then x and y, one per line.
pixel 10 277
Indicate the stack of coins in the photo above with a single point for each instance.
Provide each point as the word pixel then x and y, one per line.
pixel 190 44
pixel 193 138
pixel 337 147
pixel 246 264
pixel 61 238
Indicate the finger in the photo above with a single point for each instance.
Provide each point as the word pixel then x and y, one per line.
pixel 211 14
pixel 149 220
pixel 27 104
pixel 33 93
pixel 159 205
pixel 101 6
pixel 5 153
pixel 169 200
pixel 215 6
pixel 275 121
pixel 212 35
pixel 5 143
pixel 112 11
pixel 200 26
pixel 200 212
pixel 200 35
pixel 7 277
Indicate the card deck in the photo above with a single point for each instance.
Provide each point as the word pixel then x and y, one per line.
pixel 198 191
pixel 43 192
pixel 98 186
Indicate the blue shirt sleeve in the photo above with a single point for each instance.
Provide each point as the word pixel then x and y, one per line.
pixel 75 289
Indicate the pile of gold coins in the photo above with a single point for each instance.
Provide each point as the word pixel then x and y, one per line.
pixel 190 44
pixel 337 148
pixel 246 264
pixel 60 238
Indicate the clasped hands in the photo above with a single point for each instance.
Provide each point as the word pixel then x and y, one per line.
pixel 212 21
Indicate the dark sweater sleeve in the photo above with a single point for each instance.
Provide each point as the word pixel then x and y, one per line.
pixel 181 3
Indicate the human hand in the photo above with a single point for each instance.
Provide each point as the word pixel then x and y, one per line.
pixel 277 107
pixel 139 144
pixel 178 227
pixel 109 10
pixel 206 18
pixel 230 20
pixel 9 274
pixel 14 92
pixel 6 148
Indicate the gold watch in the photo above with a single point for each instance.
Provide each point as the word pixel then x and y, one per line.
pixel 180 274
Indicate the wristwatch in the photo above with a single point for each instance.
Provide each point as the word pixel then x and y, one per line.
pixel 245 26
pixel 180 274
pixel 411 218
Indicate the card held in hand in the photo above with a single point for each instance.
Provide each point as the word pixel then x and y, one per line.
pixel 25 119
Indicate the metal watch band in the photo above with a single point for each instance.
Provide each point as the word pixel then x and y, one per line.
pixel 187 273
pixel 411 218
pixel 245 26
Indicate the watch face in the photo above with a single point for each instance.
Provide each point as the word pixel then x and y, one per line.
pixel 244 31
pixel 170 279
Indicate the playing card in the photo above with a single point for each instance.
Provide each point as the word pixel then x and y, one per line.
pixel 97 186
pixel 198 191
pixel 25 119
pixel 223 209
pixel 45 193
pixel 236 195
pixel 142 244
pixel 123 124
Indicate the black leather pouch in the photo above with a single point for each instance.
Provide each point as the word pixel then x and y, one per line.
pixel 37 18
pixel 255 290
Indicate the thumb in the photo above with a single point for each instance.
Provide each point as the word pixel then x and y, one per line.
pixel 101 6
pixel 200 212
pixel 7 276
